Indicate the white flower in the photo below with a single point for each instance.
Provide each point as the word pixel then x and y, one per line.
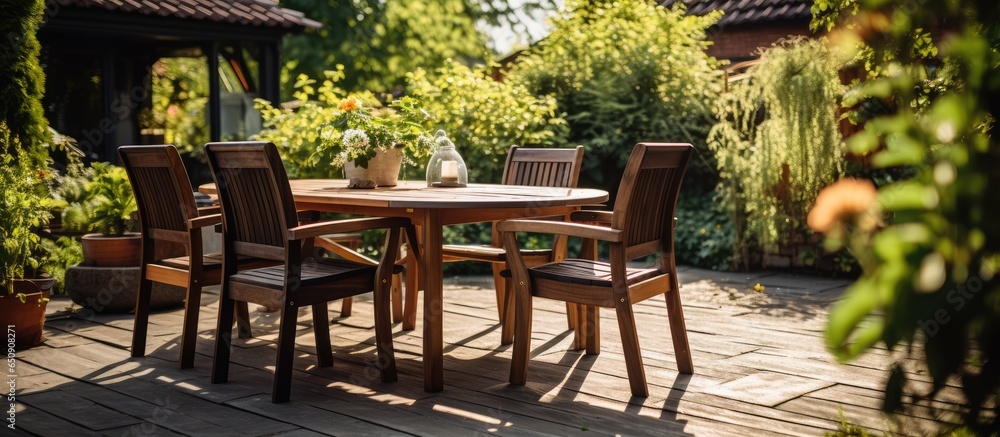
pixel 354 138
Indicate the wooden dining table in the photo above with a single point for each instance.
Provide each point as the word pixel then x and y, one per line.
pixel 431 209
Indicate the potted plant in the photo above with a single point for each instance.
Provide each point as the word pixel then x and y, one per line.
pixel 372 143
pixel 107 208
pixel 24 291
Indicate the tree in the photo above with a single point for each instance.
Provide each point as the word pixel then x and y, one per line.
pixel 930 286
pixel 379 41
pixel 624 72
pixel 23 81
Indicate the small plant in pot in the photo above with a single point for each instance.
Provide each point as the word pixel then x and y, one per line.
pixel 24 290
pixel 108 209
pixel 372 143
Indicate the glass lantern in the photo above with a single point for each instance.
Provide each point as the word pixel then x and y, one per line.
pixel 446 167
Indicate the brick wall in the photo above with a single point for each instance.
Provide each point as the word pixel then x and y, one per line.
pixel 739 43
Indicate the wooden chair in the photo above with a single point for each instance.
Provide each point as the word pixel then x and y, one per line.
pixel 533 167
pixel 259 219
pixel 171 226
pixel 641 224
pixel 346 246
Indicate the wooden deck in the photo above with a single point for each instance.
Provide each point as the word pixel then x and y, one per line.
pixel 760 369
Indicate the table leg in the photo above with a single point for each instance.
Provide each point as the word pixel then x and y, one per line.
pixel 432 277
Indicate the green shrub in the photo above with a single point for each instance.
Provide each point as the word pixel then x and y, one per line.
pixel 23 82
pixel 23 213
pixel 180 102
pixel 484 117
pixel 108 204
pixel 778 143
pixel 930 289
pixel 623 72
pixel 705 235
pixel 298 132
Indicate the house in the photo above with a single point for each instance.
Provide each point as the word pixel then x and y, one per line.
pixel 750 24
pixel 98 55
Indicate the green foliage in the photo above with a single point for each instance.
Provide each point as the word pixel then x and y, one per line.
pixel 847 429
pixel 179 102
pixel 705 235
pixel 627 71
pixel 378 42
pixel 60 254
pixel 484 117
pixel 358 133
pixel 930 285
pixel 310 135
pixel 23 81
pixel 25 210
pixel 108 205
pixel 777 142
pixel 298 132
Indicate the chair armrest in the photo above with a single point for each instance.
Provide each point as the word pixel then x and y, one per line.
pixel 344 226
pixel 591 216
pixel 206 210
pixel 205 220
pixel 561 228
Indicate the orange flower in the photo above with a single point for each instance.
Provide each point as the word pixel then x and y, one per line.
pixel 349 104
pixel 842 199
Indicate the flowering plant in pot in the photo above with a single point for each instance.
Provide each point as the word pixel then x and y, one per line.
pixel 372 142
pixel 24 290
pixel 107 208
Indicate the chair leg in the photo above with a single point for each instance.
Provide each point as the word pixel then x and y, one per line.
pixel 383 333
pixel 243 327
pixel 580 333
pixel 678 332
pixel 141 315
pixel 345 306
pixel 571 312
pixel 412 291
pixel 500 286
pixel 321 329
pixel 223 338
pixel 286 353
pixel 593 330
pixel 397 298
pixel 189 333
pixel 630 347
pixel 507 325
pixel 522 337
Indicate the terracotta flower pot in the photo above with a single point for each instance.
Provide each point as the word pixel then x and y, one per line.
pixel 27 318
pixel 101 251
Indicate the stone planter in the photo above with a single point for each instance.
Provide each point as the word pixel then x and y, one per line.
pixel 383 168
pixel 102 251
pixel 114 289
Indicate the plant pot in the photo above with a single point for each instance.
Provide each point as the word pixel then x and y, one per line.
pixel 28 317
pixel 102 251
pixel 383 168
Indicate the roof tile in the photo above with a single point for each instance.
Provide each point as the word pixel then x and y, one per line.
pixel 748 11
pixel 265 13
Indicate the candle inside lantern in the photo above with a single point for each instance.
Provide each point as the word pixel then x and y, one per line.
pixel 449 172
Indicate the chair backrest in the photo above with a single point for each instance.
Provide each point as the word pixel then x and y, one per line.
pixel 256 201
pixel 543 167
pixel 162 190
pixel 647 197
